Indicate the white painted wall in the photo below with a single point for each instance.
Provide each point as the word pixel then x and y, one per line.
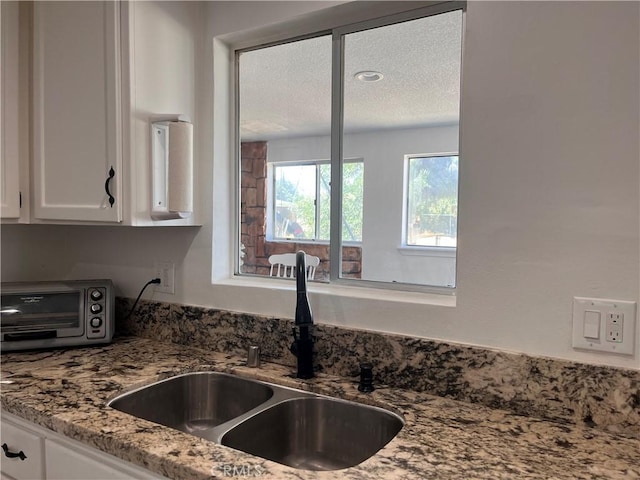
pixel 549 199
pixel 383 155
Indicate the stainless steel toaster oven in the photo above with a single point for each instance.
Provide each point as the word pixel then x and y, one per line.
pixel 56 314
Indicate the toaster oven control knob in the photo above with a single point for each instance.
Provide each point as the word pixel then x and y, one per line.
pixel 95 295
pixel 95 322
pixel 96 308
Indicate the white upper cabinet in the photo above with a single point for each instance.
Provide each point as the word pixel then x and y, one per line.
pixel 9 112
pixel 101 73
pixel 77 118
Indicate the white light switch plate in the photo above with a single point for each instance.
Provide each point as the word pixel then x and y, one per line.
pixel 590 334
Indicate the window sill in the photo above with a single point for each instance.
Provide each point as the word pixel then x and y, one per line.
pixel 310 242
pixel 342 290
pixel 296 240
pixel 447 252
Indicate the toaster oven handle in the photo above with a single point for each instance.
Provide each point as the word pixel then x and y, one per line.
pixel 16 337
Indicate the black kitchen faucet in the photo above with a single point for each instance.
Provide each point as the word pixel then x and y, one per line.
pixel 302 346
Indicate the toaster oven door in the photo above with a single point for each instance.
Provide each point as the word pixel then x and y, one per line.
pixel 28 316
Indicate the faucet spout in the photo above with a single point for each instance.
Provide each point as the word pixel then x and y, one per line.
pixel 302 346
pixel 303 309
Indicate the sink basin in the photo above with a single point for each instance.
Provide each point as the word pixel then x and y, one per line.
pixel 195 402
pixel 315 433
pixel 300 429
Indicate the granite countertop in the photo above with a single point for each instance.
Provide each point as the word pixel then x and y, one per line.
pixel 66 391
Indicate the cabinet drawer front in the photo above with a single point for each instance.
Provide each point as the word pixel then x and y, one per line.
pixel 31 445
pixel 71 461
pixel 66 464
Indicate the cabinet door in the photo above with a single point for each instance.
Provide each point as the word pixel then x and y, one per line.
pixel 52 456
pixel 76 110
pixel 9 113
pixel 29 465
pixel 62 463
pixel 69 460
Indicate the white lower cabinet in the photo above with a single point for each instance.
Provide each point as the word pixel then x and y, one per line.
pixel 65 460
pixel 34 453
pixel 23 452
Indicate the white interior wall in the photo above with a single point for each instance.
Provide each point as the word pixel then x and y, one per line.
pixel 549 206
pixel 383 155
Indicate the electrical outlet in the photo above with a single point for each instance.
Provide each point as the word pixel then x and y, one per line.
pixel 615 327
pixel 166 272
pixel 605 325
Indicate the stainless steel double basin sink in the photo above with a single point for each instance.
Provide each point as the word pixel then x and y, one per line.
pixel 292 427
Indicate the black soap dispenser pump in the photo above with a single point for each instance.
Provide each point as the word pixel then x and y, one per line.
pixel 366 378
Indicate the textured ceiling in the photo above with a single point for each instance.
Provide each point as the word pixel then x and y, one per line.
pixel 285 90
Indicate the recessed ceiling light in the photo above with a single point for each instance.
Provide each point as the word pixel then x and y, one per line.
pixel 369 76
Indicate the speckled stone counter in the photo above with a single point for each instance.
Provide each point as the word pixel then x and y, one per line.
pixel 550 389
pixel 67 390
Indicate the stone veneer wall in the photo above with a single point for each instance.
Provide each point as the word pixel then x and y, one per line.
pixel 253 209
pixel 253 206
pixel 563 391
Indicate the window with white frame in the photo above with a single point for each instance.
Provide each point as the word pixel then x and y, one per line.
pixel 300 201
pixel 431 218
pixel 355 94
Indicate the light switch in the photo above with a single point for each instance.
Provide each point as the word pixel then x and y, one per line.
pixel 591 327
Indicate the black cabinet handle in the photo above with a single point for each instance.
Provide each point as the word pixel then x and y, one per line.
pixel 9 454
pixel 106 186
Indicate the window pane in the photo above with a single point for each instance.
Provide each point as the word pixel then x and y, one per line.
pixel 432 210
pixel 284 122
pixel 402 99
pixel 324 202
pixel 352 188
pixel 295 200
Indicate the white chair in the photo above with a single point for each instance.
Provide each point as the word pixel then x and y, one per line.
pixel 283 265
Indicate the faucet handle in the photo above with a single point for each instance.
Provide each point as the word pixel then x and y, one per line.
pixel 253 356
pixel 366 378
